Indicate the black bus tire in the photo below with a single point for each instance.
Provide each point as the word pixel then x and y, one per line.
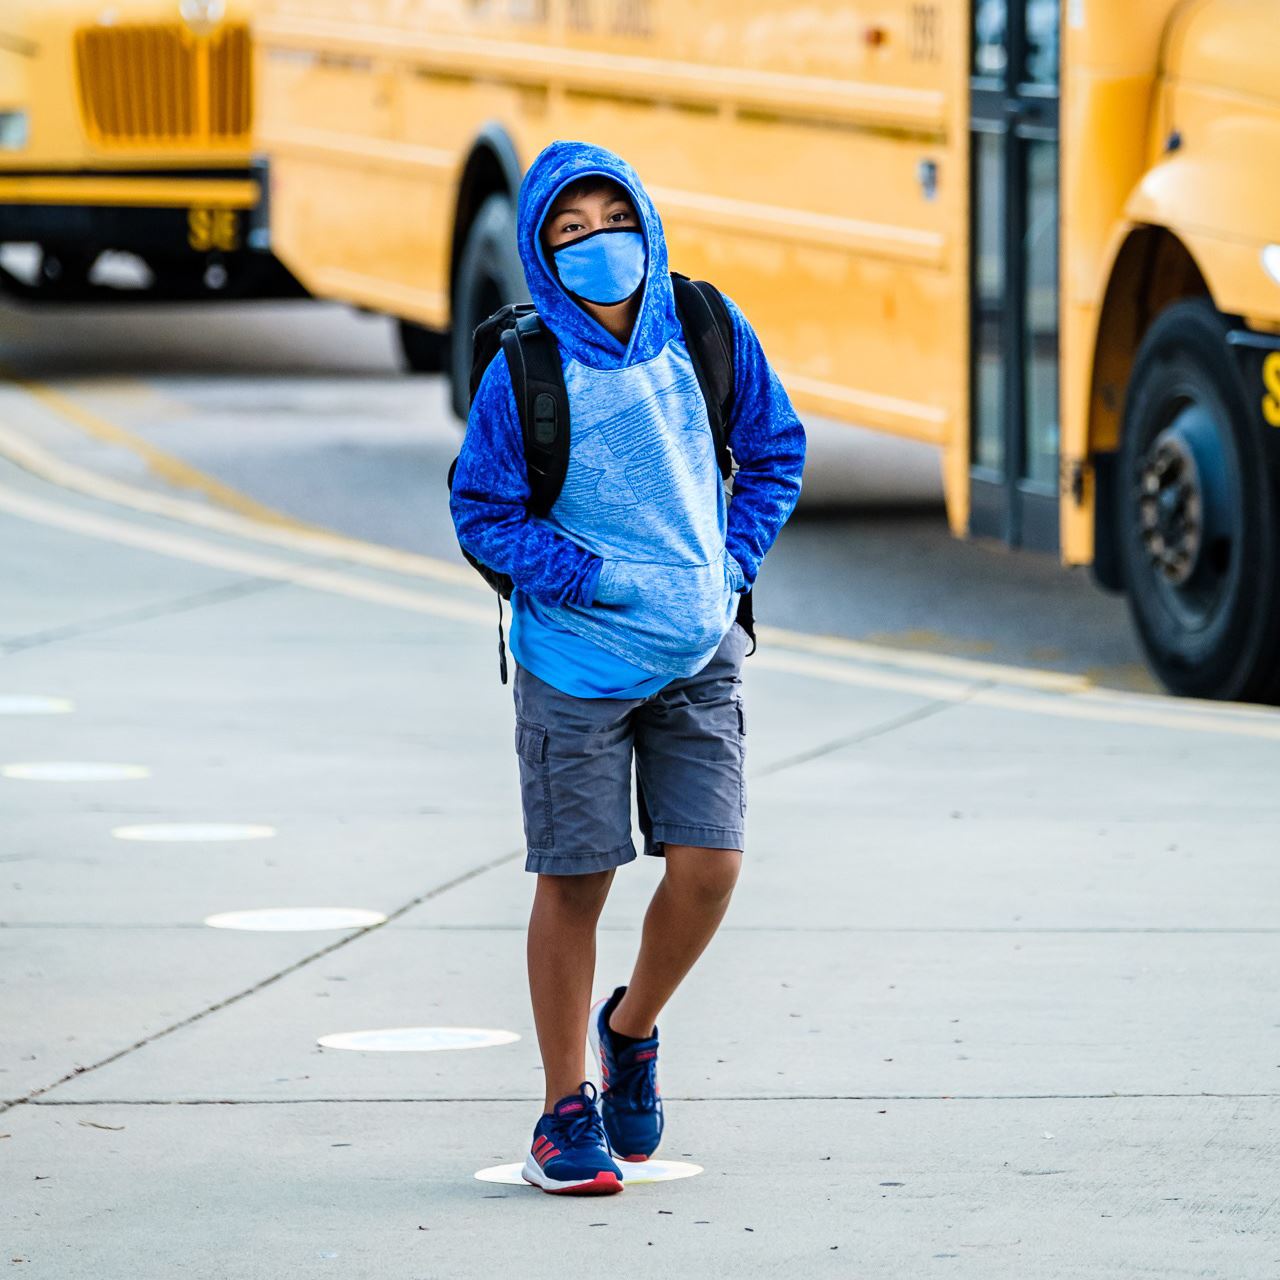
pixel 1199 526
pixel 422 350
pixel 64 273
pixel 489 276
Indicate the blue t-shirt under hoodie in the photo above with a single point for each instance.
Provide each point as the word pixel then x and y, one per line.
pixel 631 579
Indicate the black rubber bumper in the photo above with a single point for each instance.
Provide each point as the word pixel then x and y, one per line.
pixel 137 228
pixel 96 227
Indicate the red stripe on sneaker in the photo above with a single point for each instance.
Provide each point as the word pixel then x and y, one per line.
pixel 544 1149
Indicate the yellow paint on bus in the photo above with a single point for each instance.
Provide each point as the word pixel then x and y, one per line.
pixel 128 126
pixel 954 221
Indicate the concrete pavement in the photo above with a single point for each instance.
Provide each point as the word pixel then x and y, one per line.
pixel 996 997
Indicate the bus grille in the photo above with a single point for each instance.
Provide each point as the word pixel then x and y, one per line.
pixel 162 84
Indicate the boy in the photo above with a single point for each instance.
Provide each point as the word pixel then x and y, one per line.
pixel 623 633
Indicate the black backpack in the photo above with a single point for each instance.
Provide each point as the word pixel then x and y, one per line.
pixel 537 377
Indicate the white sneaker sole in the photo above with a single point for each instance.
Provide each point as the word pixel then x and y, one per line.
pixel 600 1184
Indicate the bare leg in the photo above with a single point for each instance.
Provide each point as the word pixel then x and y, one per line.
pixel 685 912
pixel 562 964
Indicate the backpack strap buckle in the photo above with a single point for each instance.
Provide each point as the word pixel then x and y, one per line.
pixel 533 357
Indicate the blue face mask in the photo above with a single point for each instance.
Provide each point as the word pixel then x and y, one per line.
pixel 604 267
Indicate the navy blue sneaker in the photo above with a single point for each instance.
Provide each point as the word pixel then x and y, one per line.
pixel 570 1153
pixel 630 1102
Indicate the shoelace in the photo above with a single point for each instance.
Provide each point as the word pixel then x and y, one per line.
pixel 637 1084
pixel 584 1129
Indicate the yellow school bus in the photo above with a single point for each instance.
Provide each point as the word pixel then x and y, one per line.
pixel 1043 235
pixel 126 125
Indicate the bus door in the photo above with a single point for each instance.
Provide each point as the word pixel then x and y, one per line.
pixel 1014 412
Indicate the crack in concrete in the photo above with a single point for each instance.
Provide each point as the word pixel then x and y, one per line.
pixel 982 930
pixel 711 1098
pixel 929 710
pixel 142 613
pixel 270 980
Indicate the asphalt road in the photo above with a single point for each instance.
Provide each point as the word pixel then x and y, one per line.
pixel 303 407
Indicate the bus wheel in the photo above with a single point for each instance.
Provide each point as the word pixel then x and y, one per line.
pixel 423 350
pixel 64 272
pixel 489 276
pixel 1199 528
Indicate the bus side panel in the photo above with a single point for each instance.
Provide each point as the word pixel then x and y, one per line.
pixel 810 161
pixel 359 211
pixel 860 311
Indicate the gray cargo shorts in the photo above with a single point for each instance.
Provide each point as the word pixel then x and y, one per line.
pixel 575 767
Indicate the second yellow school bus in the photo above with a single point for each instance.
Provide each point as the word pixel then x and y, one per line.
pixel 1043 236
pixel 126 127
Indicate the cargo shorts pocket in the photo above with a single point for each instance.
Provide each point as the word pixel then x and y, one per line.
pixel 742 755
pixel 535 784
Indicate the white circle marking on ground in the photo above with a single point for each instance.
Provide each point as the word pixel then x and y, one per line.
pixel 633 1174
pixel 295 919
pixel 73 771
pixel 417 1039
pixel 33 704
pixel 166 831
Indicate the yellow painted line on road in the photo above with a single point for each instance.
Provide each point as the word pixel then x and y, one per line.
pixel 1087 708
pixel 284 531
pixel 1158 714
pixel 938 664
pixel 136 395
pixel 937 690
pixel 182 546
pixel 165 465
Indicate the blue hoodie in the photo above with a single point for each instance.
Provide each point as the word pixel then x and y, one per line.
pixel 641 556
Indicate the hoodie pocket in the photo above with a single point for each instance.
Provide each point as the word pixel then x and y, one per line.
pixel 678 608
pixel 611 587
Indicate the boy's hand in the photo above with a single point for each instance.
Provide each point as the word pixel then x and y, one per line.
pixel 606 594
pixel 736 576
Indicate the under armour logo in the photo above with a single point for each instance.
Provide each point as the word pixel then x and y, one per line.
pixel 613 487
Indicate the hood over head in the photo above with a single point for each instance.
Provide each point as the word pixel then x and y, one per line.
pixel 581 336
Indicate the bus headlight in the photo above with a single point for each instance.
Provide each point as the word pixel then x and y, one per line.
pixel 13 130
pixel 1271 261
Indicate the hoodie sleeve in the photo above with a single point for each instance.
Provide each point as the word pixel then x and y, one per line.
pixel 768 445
pixel 489 497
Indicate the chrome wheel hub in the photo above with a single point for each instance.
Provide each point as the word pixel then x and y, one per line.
pixel 1171 508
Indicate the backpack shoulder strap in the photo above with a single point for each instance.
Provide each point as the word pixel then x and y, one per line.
pixel 533 357
pixel 708 332
pixel 486 339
